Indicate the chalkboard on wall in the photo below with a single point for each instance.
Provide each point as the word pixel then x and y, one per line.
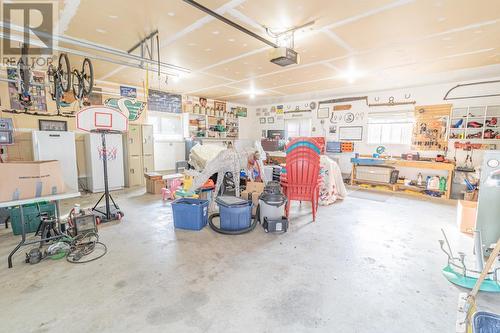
pixel 164 102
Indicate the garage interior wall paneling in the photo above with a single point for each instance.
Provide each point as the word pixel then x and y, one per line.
pixel 22 149
pixel 423 95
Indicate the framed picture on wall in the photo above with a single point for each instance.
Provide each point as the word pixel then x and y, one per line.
pixel 270 120
pixel 323 112
pixel 220 106
pixel 262 120
pixel 52 125
pixel 241 111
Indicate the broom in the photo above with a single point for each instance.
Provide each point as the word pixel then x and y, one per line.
pixel 467 302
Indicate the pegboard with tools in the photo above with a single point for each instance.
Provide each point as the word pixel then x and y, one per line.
pixel 430 129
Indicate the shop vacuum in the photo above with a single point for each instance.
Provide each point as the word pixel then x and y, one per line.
pixel 271 208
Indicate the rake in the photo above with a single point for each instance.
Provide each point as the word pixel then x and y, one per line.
pixel 467 302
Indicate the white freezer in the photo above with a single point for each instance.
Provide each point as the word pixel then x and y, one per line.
pixel 95 171
pixel 56 145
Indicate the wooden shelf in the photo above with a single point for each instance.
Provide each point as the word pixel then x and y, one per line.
pixel 208 121
pixel 360 181
pixel 449 167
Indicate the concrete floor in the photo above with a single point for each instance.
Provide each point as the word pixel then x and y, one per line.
pixel 364 266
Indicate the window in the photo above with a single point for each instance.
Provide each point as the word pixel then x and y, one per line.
pixel 166 126
pixel 390 127
pixel 297 127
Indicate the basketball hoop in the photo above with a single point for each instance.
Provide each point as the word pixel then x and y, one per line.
pixel 104 120
pixel 101 119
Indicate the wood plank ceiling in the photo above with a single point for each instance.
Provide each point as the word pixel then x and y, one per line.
pixel 351 42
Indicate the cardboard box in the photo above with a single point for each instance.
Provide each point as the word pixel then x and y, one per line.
pixel 252 192
pixel 153 176
pixel 255 187
pixel 466 216
pixel 154 186
pixel 26 180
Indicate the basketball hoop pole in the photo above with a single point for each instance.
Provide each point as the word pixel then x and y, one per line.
pixel 103 120
pixel 107 215
pixel 105 168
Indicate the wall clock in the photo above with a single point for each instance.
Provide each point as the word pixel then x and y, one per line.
pixel 349 117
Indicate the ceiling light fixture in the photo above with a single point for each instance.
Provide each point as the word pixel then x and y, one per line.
pixel 231 40
pixel 101 31
pixel 171 14
pixel 351 74
pixel 215 32
pixel 252 92
pixel 114 17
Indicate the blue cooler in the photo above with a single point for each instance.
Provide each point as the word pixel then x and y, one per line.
pixel 235 213
pixel 485 322
pixel 190 214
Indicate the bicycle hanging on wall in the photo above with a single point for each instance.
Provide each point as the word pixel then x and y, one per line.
pixel 24 79
pixel 83 81
pixel 60 79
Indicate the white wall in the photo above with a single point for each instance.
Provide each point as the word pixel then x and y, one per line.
pixel 167 153
pixel 425 95
pixel 245 124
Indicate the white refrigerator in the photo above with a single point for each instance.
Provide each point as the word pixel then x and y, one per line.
pixel 56 145
pixel 94 155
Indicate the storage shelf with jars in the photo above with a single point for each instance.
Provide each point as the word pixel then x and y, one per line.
pixel 475 123
pixel 207 122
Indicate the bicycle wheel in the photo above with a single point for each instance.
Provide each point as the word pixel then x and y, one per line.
pixel 87 76
pixel 76 85
pixel 65 72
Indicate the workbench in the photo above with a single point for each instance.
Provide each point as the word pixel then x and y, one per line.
pixel 55 198
pixel 399 163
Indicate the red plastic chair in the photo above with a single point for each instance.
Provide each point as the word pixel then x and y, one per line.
pixel 317 142
pixel 302 176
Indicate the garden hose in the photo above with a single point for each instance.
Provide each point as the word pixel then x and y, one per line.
pixel 231 232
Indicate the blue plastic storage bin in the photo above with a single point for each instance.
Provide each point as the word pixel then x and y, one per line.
pixel 190 214
pixel 485 322
pixel 235 213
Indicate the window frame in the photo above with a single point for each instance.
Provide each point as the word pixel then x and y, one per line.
pixel 387 123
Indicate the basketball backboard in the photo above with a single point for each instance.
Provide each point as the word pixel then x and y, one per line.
pixel 101 118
